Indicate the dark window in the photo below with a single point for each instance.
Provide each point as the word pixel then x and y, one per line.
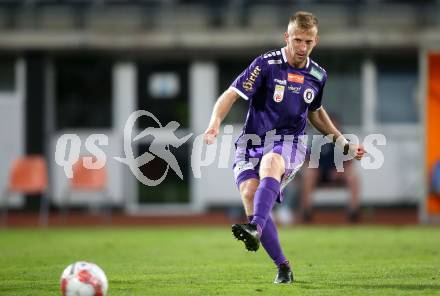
pixel 397 87
pixel 163 91
pixel 7 74
pixel 229 69
pixel 172 189
pixel 83 93
pixel 342 92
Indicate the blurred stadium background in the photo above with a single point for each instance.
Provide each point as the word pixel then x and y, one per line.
pixel 83 66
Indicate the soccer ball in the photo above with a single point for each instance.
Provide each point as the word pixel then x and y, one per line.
pixel 83 279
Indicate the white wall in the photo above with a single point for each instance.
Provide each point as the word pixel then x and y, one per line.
pixel 12 126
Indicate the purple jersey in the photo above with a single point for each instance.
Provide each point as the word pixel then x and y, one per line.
pixel 279 95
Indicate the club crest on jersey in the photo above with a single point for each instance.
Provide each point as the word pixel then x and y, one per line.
pixel 309 95
pixel 278 94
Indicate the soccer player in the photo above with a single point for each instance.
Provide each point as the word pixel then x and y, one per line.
pixel 284 87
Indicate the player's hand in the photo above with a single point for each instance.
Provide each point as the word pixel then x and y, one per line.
pixel 210 135
pixel 356 151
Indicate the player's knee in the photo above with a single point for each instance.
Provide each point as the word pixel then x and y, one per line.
pixel 272 165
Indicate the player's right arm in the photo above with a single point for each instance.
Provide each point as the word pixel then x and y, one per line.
pixel 245 86
pixel 221 109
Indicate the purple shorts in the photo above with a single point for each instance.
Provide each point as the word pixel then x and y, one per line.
pixel 247 159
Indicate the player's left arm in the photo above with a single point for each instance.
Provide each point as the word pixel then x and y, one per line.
pixel 322 122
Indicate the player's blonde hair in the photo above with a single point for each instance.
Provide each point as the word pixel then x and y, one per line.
pixel 304 20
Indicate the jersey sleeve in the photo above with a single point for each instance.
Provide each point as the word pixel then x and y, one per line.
pixel 317 102
pixel 248 82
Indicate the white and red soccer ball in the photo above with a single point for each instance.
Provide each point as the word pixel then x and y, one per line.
pixel 83 279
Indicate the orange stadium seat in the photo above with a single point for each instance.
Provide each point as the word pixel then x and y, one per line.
pixel 28 175
pixel 86 180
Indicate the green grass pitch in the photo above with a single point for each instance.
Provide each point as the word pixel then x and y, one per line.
pixel 208 261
